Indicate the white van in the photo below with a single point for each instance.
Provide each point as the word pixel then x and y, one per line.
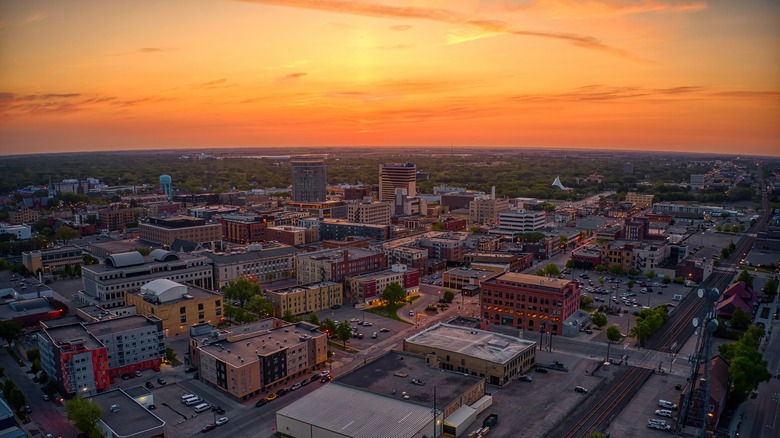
pixel 187 396
pixel 677 297
pixel 202 407
pixel 193 401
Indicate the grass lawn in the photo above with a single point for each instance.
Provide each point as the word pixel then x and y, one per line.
pixel 340 346
pixel 387 311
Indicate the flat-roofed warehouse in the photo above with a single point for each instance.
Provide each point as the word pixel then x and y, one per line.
pixel 496 357
pixel 392 396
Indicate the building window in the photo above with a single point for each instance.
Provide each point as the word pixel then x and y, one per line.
pixel 200 306
pixel 182 310
pixel 183 319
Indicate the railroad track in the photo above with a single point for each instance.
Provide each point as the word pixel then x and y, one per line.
pixel 610 403
pixel 676 330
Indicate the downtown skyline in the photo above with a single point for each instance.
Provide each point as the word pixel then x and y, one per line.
pixel 685 76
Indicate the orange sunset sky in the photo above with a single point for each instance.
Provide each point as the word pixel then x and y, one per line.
pixel 141 74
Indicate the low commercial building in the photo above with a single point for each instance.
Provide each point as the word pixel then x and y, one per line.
pixel 29 312
pixel 290 235
pixel 243 228
pixel 520 221
pixel 21 232
pixel 492 356
pixel 306 299
pixel 52 260
pixel 392 396
pixel 457 278
pixel 369 212
pixel 528 302
pixel 245 360
pixel 177 305
pixel 586 256
pixel 124 417
pixel 340 229
pixel 641 200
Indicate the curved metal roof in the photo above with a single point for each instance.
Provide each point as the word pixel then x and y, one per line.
pixel 162 255
pixel 125 259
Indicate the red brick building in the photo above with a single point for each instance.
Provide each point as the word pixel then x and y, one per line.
pixel 527 301
pixel 242 228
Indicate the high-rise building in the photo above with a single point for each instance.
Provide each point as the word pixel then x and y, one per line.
pixel 166 186
pixel 397 176
pixel 309 182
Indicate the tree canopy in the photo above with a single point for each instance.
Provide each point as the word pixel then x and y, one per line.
pixel 599 319
pixel 241 289
pixel 394 293
pixel 747 278
pixel 84 413
pixel 9 330
pixel 747 367
pixel 66 234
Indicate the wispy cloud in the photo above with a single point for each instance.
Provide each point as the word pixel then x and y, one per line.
pixel 216 83
pixel 488 26
pixel 290 77
pixel 401 27
pixel 33 18
pixel 150 50
pixel 17 104
pixel 601 7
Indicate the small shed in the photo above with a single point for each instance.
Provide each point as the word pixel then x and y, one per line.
pixel 460 421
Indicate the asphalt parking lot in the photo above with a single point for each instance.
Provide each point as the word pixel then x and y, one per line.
pixel 531 409
pixel 632 421
pixel 358 317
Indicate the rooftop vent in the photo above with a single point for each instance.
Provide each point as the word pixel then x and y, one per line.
pixel 114 408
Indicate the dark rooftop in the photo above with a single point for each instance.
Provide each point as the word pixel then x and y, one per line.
pixel 391 375
pixel 130 418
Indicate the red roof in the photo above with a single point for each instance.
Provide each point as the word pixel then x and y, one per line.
pixel 741 289
pixel 727 306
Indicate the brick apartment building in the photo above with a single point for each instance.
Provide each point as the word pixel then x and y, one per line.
pixel 163 231
pixel 336 265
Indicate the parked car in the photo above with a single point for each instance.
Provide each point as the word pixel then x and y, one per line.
pixel 27 409
pixel 384 330
pixel 581 389
pixel 373 335
pixel 336 306
pixel 281 392
pixel 663 413
pixel 221 421
pixel 46 397
pixel 161 381
pixel 326 379
pixel 218 410
pixel 666 404
pixel 295 386
pixel 271 397
pixel 366 324
pixel 209 427
pixel 526 378
pixel 261 402
pixel 541 370
pixel 149 385
pixel 125 376
pixel 190 369
pixel 138 373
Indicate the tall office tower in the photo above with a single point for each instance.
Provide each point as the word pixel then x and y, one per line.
pixel 397 176
pixel 309 178
pixel 166 185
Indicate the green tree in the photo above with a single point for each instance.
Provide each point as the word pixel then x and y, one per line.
pixel 16 399
pixel 562 242
pixel 613 335
pixel 601 268
pixel 288 316
pixel 630 284
pixel 569 264
pixel 241 289
pixel 770 289
pixel 633 271
pixel 599 319
pixel 448 296
pixel 84 413
pixel 329 326
pixel 66 234
pixel 170 355
pixel 667 279
pixel 650 274
pixel 747 278
pixel 597 435
pixel 260 306
pixel 747 368
pixel 616 270
pixel 740 320
pixel 9 330
pixel 238 314
pixel 343 332
pixel 314 319
pixel 550 270
pixel 394 294
pixel 585 302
